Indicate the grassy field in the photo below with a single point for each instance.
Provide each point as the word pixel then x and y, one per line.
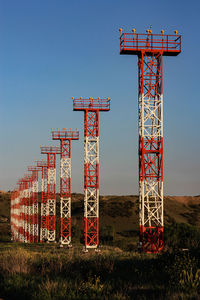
pixel 118 271
pixel 47 272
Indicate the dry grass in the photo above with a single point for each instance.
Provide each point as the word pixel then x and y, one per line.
pixel 56 274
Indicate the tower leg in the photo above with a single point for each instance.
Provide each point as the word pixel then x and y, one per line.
pixel 44 207
pixel 91 179
pixel 51 198
pixel 151 152
pixel 65 191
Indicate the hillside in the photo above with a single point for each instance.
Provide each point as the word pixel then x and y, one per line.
pixel 118 216
pixel 118 271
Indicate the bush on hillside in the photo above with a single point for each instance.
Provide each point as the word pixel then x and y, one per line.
pixel 182 236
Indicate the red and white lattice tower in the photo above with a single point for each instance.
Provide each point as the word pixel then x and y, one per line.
pixel 35 210
pixel 65 138
pixel 23 213
pixel 12 216
pixel 51 190
pixel 12 230
pixel 91 108
pixel 15 215
pixel 26 181
pixel 28 209
pixel 150 49
pixel 21 209
pixel 44 208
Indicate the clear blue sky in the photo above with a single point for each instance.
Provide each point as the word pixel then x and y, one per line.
pixel 51 50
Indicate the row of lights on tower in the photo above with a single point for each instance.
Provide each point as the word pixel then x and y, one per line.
pixel 148 31
pixel 64 129
pixel 90 98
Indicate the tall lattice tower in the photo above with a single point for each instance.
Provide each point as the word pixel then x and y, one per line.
pixel 29 208
pixel 65 137
pixel 150 49
pixel 35 171
pixel 26 180
pixel 51 190
pixel 44 207
pixel 91 108
pixel 15 215
pixel 21 209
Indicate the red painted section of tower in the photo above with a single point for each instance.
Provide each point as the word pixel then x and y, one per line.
pixel 152 239
pixel 91 230
pixel 91 104
pixel 135 43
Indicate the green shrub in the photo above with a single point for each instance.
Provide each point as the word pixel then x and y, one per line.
pixel 190 279
pixel 180 236
pixel 184 273
pixel 106 235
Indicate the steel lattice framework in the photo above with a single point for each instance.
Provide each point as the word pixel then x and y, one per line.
pixel 27 181
pixel 30 209
pixel 34 222
pixel 44 205
pixel 23 213
pixel 27 201
pixel 15 215
pixel 20 210
pixel 22 221
pixel 91 108
pixel 51 190
pixel 27 194
pixel 65 138
pixel 150 49
pixel 21 197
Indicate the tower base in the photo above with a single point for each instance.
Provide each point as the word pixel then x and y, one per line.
pixel 91 231
pixel 151 239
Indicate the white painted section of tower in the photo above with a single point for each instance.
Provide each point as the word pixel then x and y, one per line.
pixel 65 212
pixel 65 204
pixel 151 191
pixel 65 168
pixel 91 203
